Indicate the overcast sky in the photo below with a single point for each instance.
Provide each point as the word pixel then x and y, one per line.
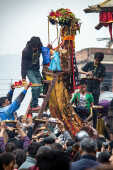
pixel 22 19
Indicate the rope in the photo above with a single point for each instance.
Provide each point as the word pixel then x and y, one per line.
pixel 53 41
pixel 57 31
pixel 48 33
pixel 59 38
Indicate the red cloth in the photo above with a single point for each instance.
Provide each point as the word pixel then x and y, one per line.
pixel 29 115
pixel 74 85
pixel 106 19
pixel 34 168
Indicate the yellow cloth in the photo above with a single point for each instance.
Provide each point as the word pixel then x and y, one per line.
pixel 60 108
pixel 100 126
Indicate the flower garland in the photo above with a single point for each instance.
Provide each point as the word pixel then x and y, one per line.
pixel 65 18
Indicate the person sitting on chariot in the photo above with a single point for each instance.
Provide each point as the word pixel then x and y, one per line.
pixel 95 73
pixel 83 101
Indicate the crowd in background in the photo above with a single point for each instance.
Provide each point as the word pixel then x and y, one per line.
pixel 27 142
pixel 45 144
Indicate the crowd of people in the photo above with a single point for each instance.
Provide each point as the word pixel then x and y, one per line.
pixel 27 142
pixel 31 143
pixel 44 144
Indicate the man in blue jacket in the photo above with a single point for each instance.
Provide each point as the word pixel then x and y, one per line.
pixel 7 108
pixel 88 156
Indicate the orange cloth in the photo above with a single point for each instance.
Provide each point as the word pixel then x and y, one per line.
pixel 69 37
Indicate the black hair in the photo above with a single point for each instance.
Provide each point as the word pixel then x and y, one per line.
pixel 56 160
pixel 76 146
pixel 99 56
pixel 2 100
pixel 76 152
pixel 99 144
pixel 83 81
pixel 20 118
pixel 43 149
pixel 111 105
pixel 104 157
pixel 20 156
pixel 57 147
pixel 35 42
pixel 5 159
pixel 17 142
pixel 105 88
pixel 49 140
pixel 11 134
pixel 10 147
pixel 33 148
pixel 70 142
pixel 45 115
pixel 69 150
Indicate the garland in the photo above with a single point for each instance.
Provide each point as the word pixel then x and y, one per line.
pixel 65 18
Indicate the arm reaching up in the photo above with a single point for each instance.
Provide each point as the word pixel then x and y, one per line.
pixel 16 104
pixel 2 143
pixel 10 93
pixel 25 138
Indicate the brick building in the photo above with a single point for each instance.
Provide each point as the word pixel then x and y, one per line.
pixel 87 55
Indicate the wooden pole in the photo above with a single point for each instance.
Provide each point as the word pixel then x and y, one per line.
pixel 48 33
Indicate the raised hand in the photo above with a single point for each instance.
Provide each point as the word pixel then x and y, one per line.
pixel 2 127
pixel 89 73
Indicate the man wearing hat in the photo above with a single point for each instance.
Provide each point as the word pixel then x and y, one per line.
pixel 96 72
pixel 30 67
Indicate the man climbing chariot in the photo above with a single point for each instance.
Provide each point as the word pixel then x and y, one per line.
pixel 30 67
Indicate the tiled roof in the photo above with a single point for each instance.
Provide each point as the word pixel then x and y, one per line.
pixel 84 54
pixel 98 7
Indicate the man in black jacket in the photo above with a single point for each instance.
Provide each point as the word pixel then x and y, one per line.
pixel 30 67
pixel 96 72
pixel 88 156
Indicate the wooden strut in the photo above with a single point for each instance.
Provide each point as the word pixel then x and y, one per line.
pixel 9 121
pixel 46 99
pixel 48 121
pixel 33 85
